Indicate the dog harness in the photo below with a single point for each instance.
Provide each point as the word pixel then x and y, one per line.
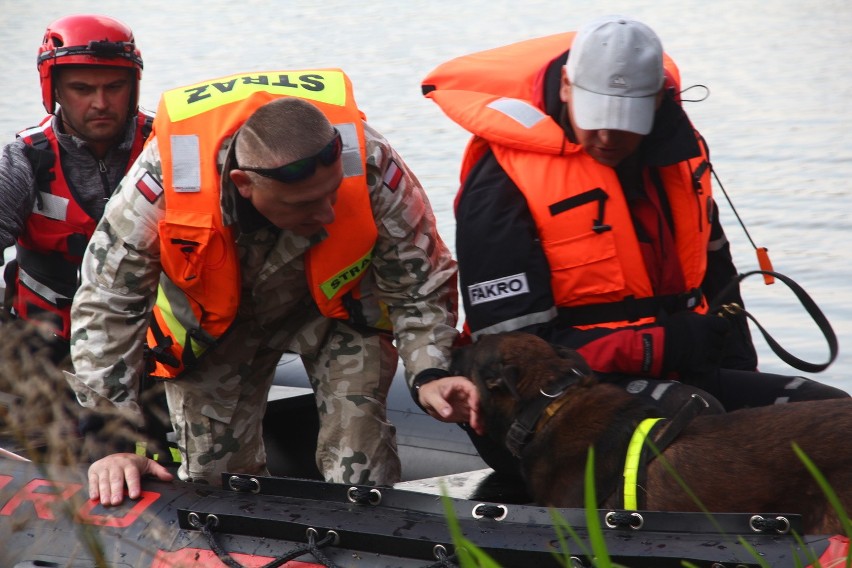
pixel 650 438
pixel 636 451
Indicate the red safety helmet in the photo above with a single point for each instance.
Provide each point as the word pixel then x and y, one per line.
pixel 86 39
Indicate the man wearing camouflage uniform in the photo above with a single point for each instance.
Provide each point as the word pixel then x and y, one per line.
pixel 277 217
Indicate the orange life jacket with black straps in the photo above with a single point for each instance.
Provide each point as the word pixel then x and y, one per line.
pixel 50 248
pixel 200 282
pixel 582 217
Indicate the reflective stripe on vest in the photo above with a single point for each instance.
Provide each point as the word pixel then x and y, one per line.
pixel 46 293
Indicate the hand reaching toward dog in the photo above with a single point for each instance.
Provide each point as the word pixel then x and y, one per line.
pixel 108 477
pixel 452 399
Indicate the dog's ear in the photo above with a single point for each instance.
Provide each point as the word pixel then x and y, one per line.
pixel 511 376
pixel 499 376
pixel 494 375
pixel 461 361
pixel 506 377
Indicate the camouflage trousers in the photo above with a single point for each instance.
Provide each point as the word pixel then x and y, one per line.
pixel 351 376
pixel 350 373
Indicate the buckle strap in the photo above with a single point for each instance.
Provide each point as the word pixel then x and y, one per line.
pixel 163 343
pixel 629 309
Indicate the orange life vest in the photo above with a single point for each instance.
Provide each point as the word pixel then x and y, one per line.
pixel 200 283
pixel 578 206
pixel 50 247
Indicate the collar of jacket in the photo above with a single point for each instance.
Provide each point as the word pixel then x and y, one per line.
pixel 249 218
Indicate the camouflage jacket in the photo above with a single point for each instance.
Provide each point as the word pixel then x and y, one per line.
pixel 412 272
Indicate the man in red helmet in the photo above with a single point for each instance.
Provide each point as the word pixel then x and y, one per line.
pixel 55 178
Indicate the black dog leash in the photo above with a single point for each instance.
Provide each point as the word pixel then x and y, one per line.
pixel 767 272
pixel 809 305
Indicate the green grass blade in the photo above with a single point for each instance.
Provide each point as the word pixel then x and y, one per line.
pixel 830 494
pixel 469 555
pixel 593 522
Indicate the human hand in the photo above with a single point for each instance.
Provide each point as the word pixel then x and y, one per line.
pixel 452 399
pixel 693 344
pixel 108 476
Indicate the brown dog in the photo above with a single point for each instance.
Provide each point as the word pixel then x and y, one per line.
pixel 742 461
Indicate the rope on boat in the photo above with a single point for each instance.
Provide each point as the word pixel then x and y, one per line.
pixel 206 529
pixel 364 495
pixel 778 525
pixel 624 519
pixel 313 546
pixel 496 512
pixel 237 483
pixel 444 560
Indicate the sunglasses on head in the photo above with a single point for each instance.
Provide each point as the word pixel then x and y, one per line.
pixel 301 169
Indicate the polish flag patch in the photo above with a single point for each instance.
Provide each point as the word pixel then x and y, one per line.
pixel 393 175
pixel 149 188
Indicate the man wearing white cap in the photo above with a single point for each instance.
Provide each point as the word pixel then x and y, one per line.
pixel 586 216
pixel 613 87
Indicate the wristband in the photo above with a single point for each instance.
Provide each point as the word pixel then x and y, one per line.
pixel 425 377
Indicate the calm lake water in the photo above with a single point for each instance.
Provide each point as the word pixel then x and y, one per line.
pixel 778 117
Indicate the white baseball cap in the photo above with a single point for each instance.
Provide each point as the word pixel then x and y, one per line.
pixel 615 67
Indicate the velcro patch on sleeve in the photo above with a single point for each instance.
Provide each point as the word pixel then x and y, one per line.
pixel 149 188
pixel 393 175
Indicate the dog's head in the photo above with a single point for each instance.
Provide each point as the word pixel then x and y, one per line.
pixel 510 369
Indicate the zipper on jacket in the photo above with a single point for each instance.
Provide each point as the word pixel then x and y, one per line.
pixel 104 179
pixel 699 190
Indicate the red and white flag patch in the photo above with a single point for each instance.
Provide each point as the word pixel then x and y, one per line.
pixel 393 175
pixel 149 188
